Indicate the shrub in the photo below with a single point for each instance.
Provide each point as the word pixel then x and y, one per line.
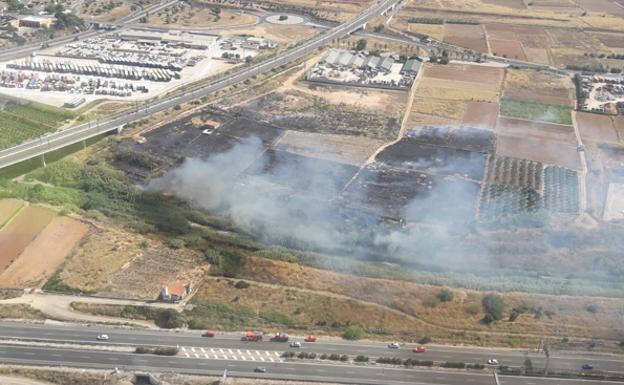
pixel 168 319
pixel 177 243
pixel 424 340
pixel 445 295
pixel 454 365
pixel 591 309
pixel 334 357
pixel 493 305
pixel 472 308
pixel 354 332
pixel 242 285
pixel 344 358
pixel 323 356
pixel 361 358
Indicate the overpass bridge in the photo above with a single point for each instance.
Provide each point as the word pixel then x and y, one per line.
pixel 115 123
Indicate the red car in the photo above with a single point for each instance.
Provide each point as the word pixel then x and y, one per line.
pixel 208 334
pixel 310 339
pixel 419 349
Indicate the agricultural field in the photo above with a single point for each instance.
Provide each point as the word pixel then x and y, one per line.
pixel 547 131
pixel 539 150
pixel 481 115
pixel 534 111
pixel 42 257
pixel 20 122
pixel 8 209
pixel 515 172
pixel 467 36
pixel 457 93
pixel 539 87
pixel 597 128
pixel 561 190
pixel 17 234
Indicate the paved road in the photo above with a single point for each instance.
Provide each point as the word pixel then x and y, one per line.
pixel 192 339
pixel 26 50
pixel 77 134
pixel 293 371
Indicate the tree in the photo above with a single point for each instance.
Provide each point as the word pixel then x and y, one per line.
pixel 361 44
pixel 354 332
pixel 445 295
pixel 493 306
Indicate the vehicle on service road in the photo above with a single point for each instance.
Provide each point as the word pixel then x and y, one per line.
pixel 280 337
pixel 102 337
pixel 394 345
pixel 252 336
pixel 419 349
pixel 260 369
pixel 295 344
pixel 493 362
pixel 587 367
pixel 208 333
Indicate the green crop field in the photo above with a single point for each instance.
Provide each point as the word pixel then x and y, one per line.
pixel 20 122
pixel 536 111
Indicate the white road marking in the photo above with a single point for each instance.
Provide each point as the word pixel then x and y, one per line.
pixel 206 355
pixel 230 351
pixel 261 358
pixel 202 350
pixel 196 355
pixel 193 350
pixel 271 359
pixel 252 358
pixel 277 354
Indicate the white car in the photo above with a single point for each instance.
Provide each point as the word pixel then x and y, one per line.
pixel 493 362
pixel 394 345
pixel 296 344
pixel 102 337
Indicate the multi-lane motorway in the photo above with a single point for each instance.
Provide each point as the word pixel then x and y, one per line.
pixel 77 134
pixel 204 355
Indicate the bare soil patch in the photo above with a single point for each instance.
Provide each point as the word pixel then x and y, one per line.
pixel 468 36
pixel 482 75
pixel 42 257
pixel 507 48
pixel 539 87
pixel 603 6
pixel 353 150
pixel 521 128
pixel 8 208
pixel 596 128
pixel 513 4
pixel 611 40
pixel 481 115
pixel 115 262
pixel 539 150
pixel 21 231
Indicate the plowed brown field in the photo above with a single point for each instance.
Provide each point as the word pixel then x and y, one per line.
pixel 21 231
pixel 42 257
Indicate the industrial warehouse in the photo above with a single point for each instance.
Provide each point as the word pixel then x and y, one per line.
pixel 135 64
pixel 362 69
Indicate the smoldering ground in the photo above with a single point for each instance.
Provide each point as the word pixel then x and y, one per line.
pixel 293 200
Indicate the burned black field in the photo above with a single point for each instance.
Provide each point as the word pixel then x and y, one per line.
pixel 432 176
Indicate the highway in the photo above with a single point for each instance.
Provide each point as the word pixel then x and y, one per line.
pixel 220 346
pixel 77 134
pixel 293 371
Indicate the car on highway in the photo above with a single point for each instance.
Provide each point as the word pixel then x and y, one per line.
pixel 493 362
pixel 260 369
pixel 587 367
pixel 394 345
pixel 310 339
pixel 208 333
pixel 102 337
pixel 419 349
pixel 295 344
